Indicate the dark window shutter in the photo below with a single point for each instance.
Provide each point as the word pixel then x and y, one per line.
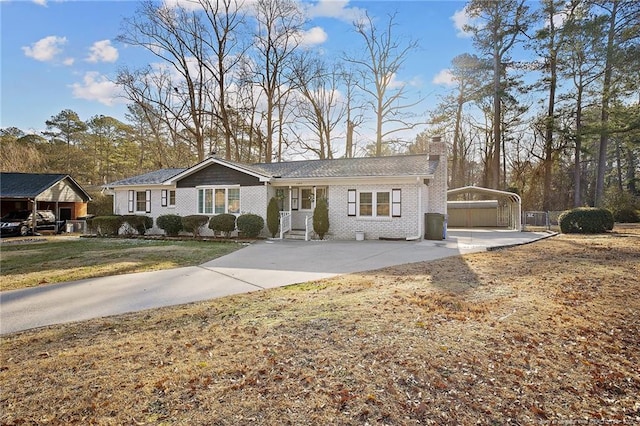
pixel 131 200
pixel 351 202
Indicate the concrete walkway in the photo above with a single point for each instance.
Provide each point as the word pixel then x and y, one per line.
pixel 265 264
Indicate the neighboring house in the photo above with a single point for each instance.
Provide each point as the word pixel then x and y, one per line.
pixel 59 193
pixel 384 197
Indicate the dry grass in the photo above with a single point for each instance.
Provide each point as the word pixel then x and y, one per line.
pixel 32 262
pixel 547 333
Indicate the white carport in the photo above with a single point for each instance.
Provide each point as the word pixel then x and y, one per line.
pixel 474 206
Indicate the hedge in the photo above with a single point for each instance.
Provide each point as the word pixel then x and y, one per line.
pixel 250 225
pixel 106 225
pixel 194 223
pixel 225 223
pixel 585 220
pixel 140 223
pixel 170 223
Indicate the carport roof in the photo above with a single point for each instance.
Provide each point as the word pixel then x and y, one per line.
pixel 30 185
pixel 512 196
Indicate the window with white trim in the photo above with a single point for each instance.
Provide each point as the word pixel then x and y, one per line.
pixel 374 203
pixel 218 200
pixel 168 197
pixel 139 201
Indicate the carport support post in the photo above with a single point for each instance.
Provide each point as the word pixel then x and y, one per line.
pixel 34 216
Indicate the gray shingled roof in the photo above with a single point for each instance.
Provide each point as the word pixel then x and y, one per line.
pixel 403 165
pixel 152 178
pixel 26 185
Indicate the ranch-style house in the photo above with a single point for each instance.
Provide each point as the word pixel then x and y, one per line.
pixel 371 198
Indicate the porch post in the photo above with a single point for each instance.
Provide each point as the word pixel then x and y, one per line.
pixel 290 199
pixel 315 198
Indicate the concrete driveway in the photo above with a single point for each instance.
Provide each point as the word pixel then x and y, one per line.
pixel 265 264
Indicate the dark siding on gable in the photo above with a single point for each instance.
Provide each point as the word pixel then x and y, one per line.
pixel 216 174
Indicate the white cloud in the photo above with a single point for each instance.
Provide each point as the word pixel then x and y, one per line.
pixel 68 61
pixel 185 4
pixel 102 51
pixel 41 2
pixel 313 37
pixel 460 18
pixel 96 87
pixel 394 83
pixel 338 9
pixel 45 49
pixel 444 77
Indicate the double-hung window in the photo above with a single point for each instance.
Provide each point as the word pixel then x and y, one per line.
pixel 218 200
pixel 168 197
pixel 139 201
pixel 374 203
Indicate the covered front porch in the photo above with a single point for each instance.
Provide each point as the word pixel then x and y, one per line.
pixel 296 205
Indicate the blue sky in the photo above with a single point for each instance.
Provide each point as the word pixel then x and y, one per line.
pixel 63 54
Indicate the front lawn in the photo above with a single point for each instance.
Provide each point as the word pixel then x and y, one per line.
pixel 58 259
pixel 545 333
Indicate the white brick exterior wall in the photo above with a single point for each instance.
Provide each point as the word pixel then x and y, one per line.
pixel 417 198
pixel 438 185
pixel 342 226
pixel 253 199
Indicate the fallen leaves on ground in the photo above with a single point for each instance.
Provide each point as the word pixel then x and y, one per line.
pixel 546 333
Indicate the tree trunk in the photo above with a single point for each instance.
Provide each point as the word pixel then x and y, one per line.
pixel 604 114
pixel 577 172
pixel 497 118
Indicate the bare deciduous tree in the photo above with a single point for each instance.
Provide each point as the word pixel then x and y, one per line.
pixel 378 68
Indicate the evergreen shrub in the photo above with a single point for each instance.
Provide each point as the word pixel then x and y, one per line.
pixel 321 218
pixel 273 217
pixel 170 223
pixel 585 220
pixel 194 223
pixel 140 223
pixel 106 225
pixel 225 223
pixel 250 225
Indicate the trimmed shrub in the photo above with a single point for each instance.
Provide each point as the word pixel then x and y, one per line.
pixel 225 223
pixel 170 223
pixel 273 217
pixel 194 223
pixel 585 220
pixel 140 223
pixel 250 225
pixel 106 225
pixel 321 218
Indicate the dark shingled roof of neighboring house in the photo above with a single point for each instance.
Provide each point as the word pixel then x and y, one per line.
pixel 151 178
pixel 30 185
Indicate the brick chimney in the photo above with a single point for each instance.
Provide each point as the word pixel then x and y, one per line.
pixel 438 188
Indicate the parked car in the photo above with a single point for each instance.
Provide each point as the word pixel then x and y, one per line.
pixel 21 222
